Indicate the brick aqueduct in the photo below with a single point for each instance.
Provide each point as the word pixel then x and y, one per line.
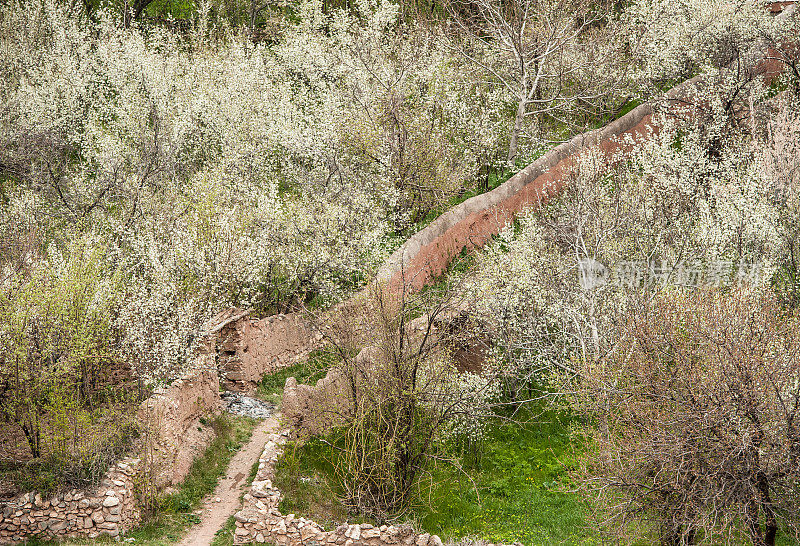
pixel 240 350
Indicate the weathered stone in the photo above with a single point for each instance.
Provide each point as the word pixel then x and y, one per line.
pixel 369 533
pixel 55 525
pixel 110 501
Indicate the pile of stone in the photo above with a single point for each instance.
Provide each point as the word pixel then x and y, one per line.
pixel 240 404
pixel 109 510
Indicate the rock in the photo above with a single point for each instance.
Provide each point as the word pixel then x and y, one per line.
pixel 110 501
pixel 355 532
pixel 240 404
pixel 369 533
pixel 56 525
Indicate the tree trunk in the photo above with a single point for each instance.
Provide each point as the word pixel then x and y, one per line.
pixel 770 521
pixel 512 145
pixel 33 436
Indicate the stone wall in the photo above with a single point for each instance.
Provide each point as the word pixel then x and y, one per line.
pixel 173 417
pixel 260 521
pixel 108 509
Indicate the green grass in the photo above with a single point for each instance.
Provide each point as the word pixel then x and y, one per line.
pixel 175 512
pixel 232 432
pixel 518 488
pixel 224 536
pixel 309 371
pixel 304 474
pixel 521 474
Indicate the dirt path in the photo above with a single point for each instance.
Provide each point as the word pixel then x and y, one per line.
pixel 224 502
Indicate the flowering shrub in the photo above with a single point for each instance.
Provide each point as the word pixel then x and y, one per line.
pixel 672 41
pixel 56 343
pixel 677 198
pixel 217 172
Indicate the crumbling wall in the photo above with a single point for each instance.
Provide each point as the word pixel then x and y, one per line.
pixel 311 410
pixel 247 348
pixel 172 417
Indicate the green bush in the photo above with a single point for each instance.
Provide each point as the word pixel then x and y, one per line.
pixel 56 346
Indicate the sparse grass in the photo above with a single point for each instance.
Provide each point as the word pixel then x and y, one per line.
pixel 271 386
pixel 232 431
pixel 224 536
pixel 175 513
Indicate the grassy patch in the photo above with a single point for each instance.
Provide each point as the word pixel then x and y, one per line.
pixel 305 476
pixel 175 512
pixel 271 386
pixel 517 491
pixel 224 536
pixel 520 472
